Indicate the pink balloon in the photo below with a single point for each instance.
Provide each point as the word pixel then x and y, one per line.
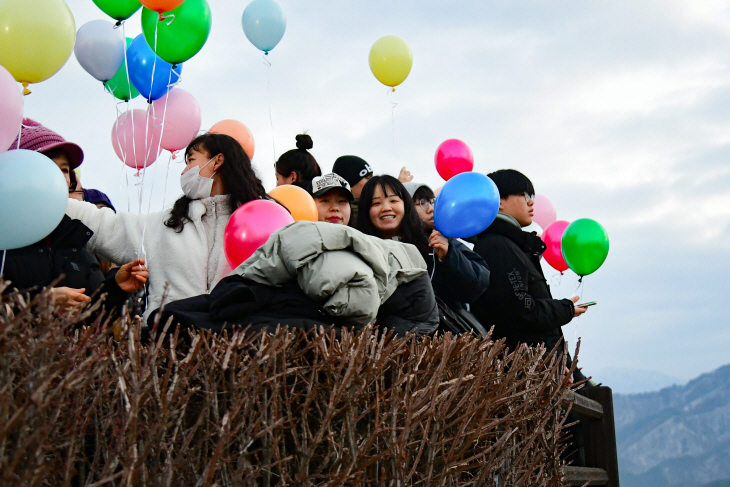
pixel 453 157
pixel 250 226
pixel 543 211
pixel 182 118
pixel 128 138
pixel 552 236
pixel 11 109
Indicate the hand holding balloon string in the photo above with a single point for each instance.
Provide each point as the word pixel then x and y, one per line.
pixel 132 276
pixel 439 244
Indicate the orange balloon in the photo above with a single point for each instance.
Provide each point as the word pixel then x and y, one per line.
pixel 161 6
pixel 297 201
pixel 238 131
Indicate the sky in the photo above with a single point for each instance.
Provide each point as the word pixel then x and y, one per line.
pixel 617 111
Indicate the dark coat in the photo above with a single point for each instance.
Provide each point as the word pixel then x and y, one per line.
pixel 236 301
pixel 461 277
pixel 518 301
pixel 62 252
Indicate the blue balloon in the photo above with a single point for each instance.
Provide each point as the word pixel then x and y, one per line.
pixel 33 197
pixel 466 205
pixel 264 24
pixel 141 60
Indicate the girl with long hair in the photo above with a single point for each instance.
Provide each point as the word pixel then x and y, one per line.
pixel 183 245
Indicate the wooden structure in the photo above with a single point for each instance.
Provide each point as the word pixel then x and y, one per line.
pixel 595 407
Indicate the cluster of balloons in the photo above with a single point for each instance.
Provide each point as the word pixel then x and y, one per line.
pixel 581 246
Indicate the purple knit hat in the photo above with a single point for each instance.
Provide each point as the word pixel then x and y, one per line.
pixel 41 139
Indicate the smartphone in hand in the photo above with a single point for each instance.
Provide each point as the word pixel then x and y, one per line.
pixel 585 305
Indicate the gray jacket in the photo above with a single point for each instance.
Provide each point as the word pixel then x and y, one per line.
pixel 348 273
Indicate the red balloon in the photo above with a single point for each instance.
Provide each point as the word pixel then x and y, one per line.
pixel 552 236
pixel 453 157
pixel 250 226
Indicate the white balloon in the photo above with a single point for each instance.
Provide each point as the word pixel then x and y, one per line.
pixel 100 48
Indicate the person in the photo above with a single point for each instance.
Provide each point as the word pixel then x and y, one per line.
pixel 99 198
pixel 518 302
pixel 332 196
pixel 184 245
pixel 297 165
pixel 62 252
pixel 357 172
pixel 456 276
pixel 460 275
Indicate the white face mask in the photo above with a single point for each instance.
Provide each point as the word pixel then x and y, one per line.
pixel 194 185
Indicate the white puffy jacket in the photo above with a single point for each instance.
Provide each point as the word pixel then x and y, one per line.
pixel 191 262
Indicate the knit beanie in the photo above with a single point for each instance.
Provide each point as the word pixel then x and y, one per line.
pixel 352 169
pixel 36 137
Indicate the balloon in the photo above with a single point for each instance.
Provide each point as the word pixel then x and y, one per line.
pixel 182 118
pixel 11 109
pixel 118 9
pixel 453 157
pixel 36 39
pixel 297 200
pixel 552 236
pixel 238 131
pixel 141 61
pixel 33 197
pixel 585 246
pixel 250 226
pixel 161 6
pixel 119 85
pixel 264 23
pixel 466 205
pixel 182 38
pixel 543 211
pixel 128 139
pixel 391 60
pixel 100 49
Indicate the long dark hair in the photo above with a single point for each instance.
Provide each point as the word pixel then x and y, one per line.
pixel 299 160
pixel 411 227
pixel 239 179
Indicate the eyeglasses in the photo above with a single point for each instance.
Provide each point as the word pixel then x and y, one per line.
pixel 529 197
pixel 426 203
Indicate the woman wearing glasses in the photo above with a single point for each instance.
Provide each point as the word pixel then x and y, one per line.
pixel 458 275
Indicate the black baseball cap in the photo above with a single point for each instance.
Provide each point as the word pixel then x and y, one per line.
pixel 352 168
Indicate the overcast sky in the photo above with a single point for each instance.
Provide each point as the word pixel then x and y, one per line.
pixel 617 111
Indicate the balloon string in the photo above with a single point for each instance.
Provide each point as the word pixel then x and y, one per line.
pixel 167 175
pixel 392 115
pixel 268 97
pixel 2 264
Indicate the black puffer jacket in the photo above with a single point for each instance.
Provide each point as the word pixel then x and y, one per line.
pixel 62 252
pixel 518 301
pixel 237 301
pixel 461 277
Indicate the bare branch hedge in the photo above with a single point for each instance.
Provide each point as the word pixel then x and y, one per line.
pixel 83 407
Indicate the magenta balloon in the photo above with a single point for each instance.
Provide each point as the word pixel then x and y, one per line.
pixel 453 157
pixel 133 138
pixel 11 109
pixel 182 118
pixel 543 211
pixel 250 226
pixel 552 236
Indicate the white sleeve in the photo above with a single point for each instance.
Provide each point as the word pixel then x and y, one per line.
pixel 116 235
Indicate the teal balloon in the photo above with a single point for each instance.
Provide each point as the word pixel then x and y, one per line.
pixel 182 38
pixel 33 198
pixel 119 85
pixel 264 23
pixel 585 246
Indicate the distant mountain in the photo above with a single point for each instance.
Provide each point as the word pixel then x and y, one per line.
pixel 678 436
pixel 633 381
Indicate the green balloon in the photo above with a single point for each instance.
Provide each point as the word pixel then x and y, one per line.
pixel 184 36
pixel 585 246
pixel 119 85
pixel 118 9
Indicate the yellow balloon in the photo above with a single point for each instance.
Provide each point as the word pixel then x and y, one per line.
pixel 36 38
pixel 391 60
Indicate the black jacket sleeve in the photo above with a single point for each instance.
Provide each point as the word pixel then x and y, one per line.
pixel 462 276
pixel 523 292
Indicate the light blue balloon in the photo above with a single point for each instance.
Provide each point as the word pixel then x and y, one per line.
pixel 33 198
pixel 466 205
pixel 100 49
pixel 264 24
